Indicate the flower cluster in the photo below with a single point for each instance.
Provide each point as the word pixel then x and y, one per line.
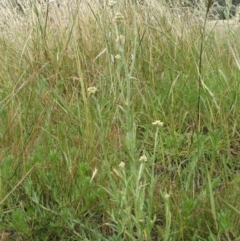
pixel 143 158
pixel 118 56
pixel 157 123
pixel 111 3
pixel 119 17
pixel 91 90
pixel 120 39
pixel 122 165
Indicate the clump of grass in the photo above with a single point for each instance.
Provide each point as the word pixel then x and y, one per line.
pixel 99 109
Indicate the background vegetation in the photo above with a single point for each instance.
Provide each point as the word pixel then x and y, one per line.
pixel 118 123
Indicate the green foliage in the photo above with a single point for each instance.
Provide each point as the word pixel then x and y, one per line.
pixel 116 125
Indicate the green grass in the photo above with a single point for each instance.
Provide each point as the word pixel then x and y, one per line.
pixel 77 165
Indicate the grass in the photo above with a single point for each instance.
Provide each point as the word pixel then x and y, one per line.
pixel 112 128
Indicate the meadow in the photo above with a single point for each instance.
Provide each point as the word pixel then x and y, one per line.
pixel 118 123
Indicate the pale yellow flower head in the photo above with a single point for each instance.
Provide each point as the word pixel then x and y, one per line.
pixel 119 17
pixel 111 3
pixel 91 90
pixel 120 39
pixel 143 158
pixel 118 56
pixel 122 165
pixel 166 196
pixel 157 123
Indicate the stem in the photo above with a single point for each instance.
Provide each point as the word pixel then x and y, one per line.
pixel 209 4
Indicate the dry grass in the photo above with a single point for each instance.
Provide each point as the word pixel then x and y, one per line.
pixel 60 14
pixel 224 24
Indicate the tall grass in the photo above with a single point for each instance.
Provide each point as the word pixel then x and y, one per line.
pixel 99 109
